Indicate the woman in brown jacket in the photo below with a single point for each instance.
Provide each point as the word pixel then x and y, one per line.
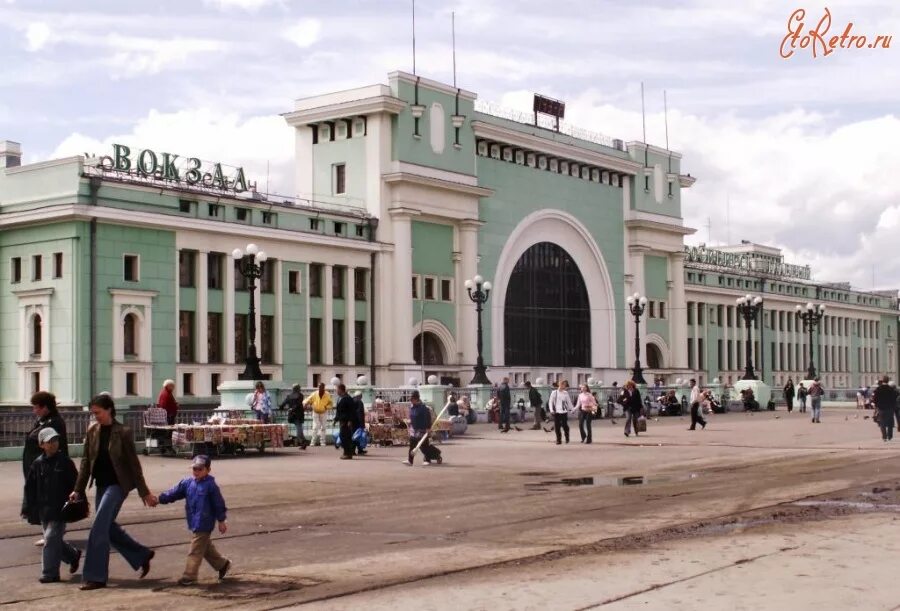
pixel 111 461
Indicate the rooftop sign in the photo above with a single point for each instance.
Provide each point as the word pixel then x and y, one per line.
pixel 147 164
pixel 549 106
pixel 745 262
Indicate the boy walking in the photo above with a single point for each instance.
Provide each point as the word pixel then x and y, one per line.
pixel 204 506
pixel 50 480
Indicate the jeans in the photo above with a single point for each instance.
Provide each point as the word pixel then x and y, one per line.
pixel 802 405
pixel 561 425
pixel 584 425
pixel 56 550
pixel 318 432
pixel 504 416
pixel 816 409
pixel 263 417
pixel 202 548
pixel 105 533
pixel 631 420
pixel 696 417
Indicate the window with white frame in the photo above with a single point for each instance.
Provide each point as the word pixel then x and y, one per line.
pixel 131 268
pixel 430 288
pixel 446 289
pixel 415 287
pixel 339 178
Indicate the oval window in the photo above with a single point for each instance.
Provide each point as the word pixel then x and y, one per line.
pixel 436 120
pixel 658 183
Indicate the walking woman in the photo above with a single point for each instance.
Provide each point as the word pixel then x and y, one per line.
pixel 587 407
pixel 560 405
pixel 111 462
pixel 631 402
pixel 261 403
pixel 789 395
pixel 43 406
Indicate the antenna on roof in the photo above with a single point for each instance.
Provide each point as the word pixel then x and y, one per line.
pixel 666 118
pixel 644 126
pixel 728 216
pixel 414 34
pixel 453 38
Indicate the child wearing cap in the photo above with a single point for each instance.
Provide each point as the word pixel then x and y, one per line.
pixel 204 506
pixel 51 478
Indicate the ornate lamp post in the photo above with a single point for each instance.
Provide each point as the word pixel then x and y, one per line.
pixel 811 315
pixel 479 295
pixel 636 305
pixel 749 306
pixel 251 269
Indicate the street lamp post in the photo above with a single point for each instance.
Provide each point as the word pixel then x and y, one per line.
pixel 479 295
pixel 749 306
pixel 636 305
pixel 811 315
pixel 252 269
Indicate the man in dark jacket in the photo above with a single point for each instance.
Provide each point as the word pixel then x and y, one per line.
pixel 419 427
pixel 346 416
pixel 43 404
pixel 294 403
pixel 885 397
pixel 505 397
pixel 360 418
pixel 534 398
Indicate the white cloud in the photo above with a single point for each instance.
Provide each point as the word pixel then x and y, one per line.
pixel 37 36
pixel 304 33
pixel 246 5
pixel 133 56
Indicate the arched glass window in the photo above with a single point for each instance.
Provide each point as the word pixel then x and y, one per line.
pixel 434 352
pixel 130 335
pixel 36 335
pixel 654 358
pixel 548 317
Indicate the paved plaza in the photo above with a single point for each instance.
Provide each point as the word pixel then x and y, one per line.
pixel 762 511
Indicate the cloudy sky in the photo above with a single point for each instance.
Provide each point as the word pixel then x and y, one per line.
pixel 799 153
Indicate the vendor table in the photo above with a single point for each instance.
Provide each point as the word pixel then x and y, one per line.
pixel 221 438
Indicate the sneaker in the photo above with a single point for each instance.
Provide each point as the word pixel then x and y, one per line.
pixel 184 581
pixel 345 457
pixel 224 570
pixel 56 579
pixel 406 462
pixel 40 542
pixel 427 463
pixel 73 568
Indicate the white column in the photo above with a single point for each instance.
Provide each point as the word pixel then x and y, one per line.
pixel 328 317
pixel 228 314
pixel 350 319
pixel 278 331
pixel 458 305
pixel 468 269
pixel 402 313
pixel 677 309
pixel 201 346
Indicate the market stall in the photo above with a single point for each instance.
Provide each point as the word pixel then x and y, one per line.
pixel 221 436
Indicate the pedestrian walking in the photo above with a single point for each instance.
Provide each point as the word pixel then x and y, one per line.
pixel 419 431
pixel 50 481
pixel 885 397
pixel 294 404
pixel 43 406
pixel 560 404
pixel 204 508
pixel 815 395
pixel 802 393
pixel 587 407
pixel 320 402
pixel 537 402
pixel 630 399
pixel 347 420
pixel 360 408
pixel 261 403
pixel 789 395
pixel 696 416
pixel 505 397
pixel 611 401
pixel 111 462
pixel 166 400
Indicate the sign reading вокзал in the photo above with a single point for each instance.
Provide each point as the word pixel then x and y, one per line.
pixel 167 167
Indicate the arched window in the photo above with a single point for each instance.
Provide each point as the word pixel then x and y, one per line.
pixel 654 358
pixel 547 317
pixel 130 335
pixel 36 335
pixel 434 353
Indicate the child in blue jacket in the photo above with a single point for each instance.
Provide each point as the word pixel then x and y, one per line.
pixel 204 507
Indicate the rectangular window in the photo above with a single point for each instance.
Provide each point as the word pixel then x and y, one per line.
pixel 662 309
pixel 415 287
pixel 268 218
pixel 187 384
pixel 267 280
pixel 241 340
pixel 315 280
pixel 214 337
pixel 214 381
pixel 213 210
pixel 720 315
pixel 720 355
pixel 337 282
pixel 446 289
pixel 315 341
pixel 337 336
pixel 338 228
pixel 340 178
pixel 700 308
pixel 36 267
pixel 57 264
pixel 131 384
pixel 429 288
pixel 690 351
pixel 359 341
pixel 184 205
pixel 360 231
pixel 317 377
pixel 314 224
pixel 267 339
pixel 690 312
pixel 359 284
pixel 240 281
pixel 701 354
pixel 293 282
pixel 186 267
pixel 185 337
pixel 651 309
pixel 15 272
pixel 131 265
pixel 215 263
pixel 242 214
pixel 730 354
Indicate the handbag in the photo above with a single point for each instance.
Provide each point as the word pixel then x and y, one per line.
pixel 75 511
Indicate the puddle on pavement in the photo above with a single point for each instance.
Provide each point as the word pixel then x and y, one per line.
pixel 607 481
pixel 849 505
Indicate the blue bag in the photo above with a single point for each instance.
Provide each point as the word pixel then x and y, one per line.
pixel 360 438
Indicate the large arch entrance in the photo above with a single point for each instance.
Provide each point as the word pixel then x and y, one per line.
pixel 654 357
pixel 547 315
pixel 434 350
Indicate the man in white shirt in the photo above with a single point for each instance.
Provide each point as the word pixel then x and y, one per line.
pixel 560 404
pixel 696 416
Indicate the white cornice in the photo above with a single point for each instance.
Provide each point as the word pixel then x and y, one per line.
pixel 353 108
pixel 561 150
pixel 421 170
pixel 50 163
pixel 430 84
pixel 686 181
pixel 133 293
pixel 658 226
pixel 26 293
pixel 639 146
pixel 447 185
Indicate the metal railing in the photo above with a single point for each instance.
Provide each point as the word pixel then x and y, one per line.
pixel 543 121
